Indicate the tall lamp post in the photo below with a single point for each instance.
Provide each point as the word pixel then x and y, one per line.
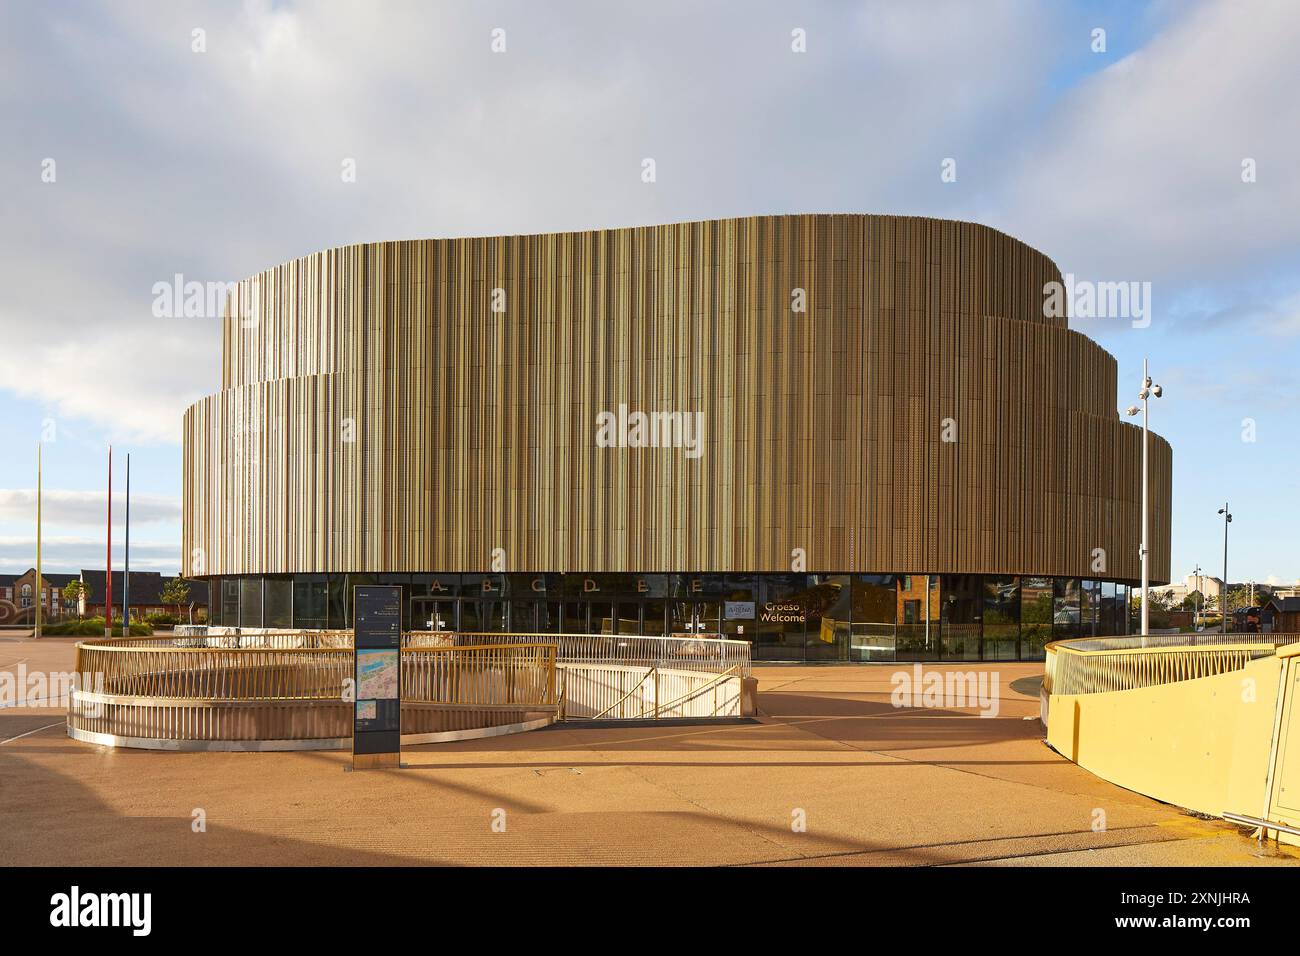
pixel 40 579
pixel 1200 597
pixel 1147 391
pixel 1227 520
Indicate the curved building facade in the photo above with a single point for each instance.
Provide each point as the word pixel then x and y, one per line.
pixel 840 436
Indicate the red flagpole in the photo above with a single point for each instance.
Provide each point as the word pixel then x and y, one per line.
pixel 108 556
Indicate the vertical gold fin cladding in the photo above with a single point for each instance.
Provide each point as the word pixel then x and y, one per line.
pixel 476 431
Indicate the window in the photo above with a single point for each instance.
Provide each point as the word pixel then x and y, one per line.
pixel 230 602
pixel 962 610
pixel 250 602
pixel 277 603
pixel 1001 618
pixel 1035 617
pixel 875 612
pixel 778 629
pixel 827 629
pixel 309 601
pixel 1067 611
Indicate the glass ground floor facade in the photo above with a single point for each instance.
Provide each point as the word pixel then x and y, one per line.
pixel 786 617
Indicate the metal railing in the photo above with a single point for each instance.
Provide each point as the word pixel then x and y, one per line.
pixel 279 688
pixel 520 675
pixel 1099 665
pixel 596 691
pixel 165 693
pixel 704 654
pixel 286 638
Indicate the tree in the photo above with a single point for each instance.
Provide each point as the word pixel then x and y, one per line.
pixel 1238 598
pixel 176 592
pixel 1193 601
pixel 74 591
pixel 1163 600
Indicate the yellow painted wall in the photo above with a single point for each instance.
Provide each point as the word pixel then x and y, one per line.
pixel 1200 744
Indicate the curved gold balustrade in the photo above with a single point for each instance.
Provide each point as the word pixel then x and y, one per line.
pixel 290 691
pixel 283 689
pixel 1098 665
pixel 1208 722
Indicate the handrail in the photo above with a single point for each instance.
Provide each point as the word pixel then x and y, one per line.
pixel 1100 665
pixel 691 695
pixel 1263 825
pixel 161 671
pixel 618 703
pixel 685 653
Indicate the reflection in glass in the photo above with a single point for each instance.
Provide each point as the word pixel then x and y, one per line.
pixel 1001 617
pixel 962 606
pixel 918 617
pixel 1109 622
pixel 230 602
pixel 277 602
pixel 778 630
pixel 1066 609
pixel 875 610
pixel 480 617
pixel 309 601
pixel 792 617
pixel 575 617
pixel 523 616
pixel 250 602
pixel 602 617
pixel 1089 607
pixel 1036 603
pixel 828 604
pixel 338 601
pixel 652 618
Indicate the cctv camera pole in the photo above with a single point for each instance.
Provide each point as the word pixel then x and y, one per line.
pixel 1223 600
pixel 1146 572
pixel 1147 391
pixel 1200 596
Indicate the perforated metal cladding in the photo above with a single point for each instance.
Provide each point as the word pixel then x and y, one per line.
pixel 474 430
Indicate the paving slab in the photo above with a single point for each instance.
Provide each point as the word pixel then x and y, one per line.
pixel 831 774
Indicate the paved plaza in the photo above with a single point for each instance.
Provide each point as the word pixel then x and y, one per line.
pixel 831 773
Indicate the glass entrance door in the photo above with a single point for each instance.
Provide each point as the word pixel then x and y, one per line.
pixel 694 617
pixel 428 614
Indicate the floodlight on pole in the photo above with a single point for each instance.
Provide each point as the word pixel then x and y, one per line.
pixel 1148 390
pixel 1223 601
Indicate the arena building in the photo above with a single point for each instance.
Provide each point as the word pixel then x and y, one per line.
pixel 840 437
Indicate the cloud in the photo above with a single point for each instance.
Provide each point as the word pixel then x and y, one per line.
pixel 216 165
pixel 1138 172
pixel 71 554
pixel 89 508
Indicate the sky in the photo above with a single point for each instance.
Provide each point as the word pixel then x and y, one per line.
pixel 146 140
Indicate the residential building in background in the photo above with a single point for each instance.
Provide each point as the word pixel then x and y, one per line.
pixel 146 594
pixel 1208 585
pixel 20 593
pixel 1280 615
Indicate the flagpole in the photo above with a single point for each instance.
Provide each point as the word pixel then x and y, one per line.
pixel 126 555
pixel 108 554
pixel 40 581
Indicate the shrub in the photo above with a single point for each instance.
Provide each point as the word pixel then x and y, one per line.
pixel 94 627
pixel 162 619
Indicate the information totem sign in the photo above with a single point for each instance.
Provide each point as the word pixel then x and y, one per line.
pixel 377 719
